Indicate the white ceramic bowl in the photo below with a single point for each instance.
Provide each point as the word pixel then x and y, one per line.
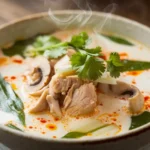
pixel 43 23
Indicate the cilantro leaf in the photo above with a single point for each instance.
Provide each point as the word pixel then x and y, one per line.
pixel 79 41
pixel 94 51
pixel 78 59
pixel 45 40
pixel 114 65
pixel 87 67
pixel 55 53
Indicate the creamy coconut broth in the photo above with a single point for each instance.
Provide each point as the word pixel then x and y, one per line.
pixel 101 107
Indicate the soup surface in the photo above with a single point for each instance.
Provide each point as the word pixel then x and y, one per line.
pixel 63 101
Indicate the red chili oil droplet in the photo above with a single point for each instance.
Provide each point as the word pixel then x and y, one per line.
pixel 54 137
pixel 51 126
pixel 13 77
pixel 18 61
pixel 146 98
pixel 43 120
pixel 30 127
pixel 43 132
pixel 134 73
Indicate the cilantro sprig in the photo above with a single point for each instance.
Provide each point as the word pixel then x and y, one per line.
pixel 86 62
pixel 114 65
pixel 87 66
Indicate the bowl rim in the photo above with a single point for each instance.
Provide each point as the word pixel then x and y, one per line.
pixel 131 133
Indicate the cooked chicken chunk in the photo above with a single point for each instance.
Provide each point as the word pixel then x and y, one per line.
pixel 81 101
pixel 59 86
pixel 54 106
pixel 62 84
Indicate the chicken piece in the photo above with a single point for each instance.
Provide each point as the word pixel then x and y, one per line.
pixel 41 103
pixel 62 84
pixel 81 101
pixel 54 106
pixel 58 87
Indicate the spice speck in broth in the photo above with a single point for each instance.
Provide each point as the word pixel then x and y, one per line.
pixel 18 61
pixel 3 61
pixel 51 127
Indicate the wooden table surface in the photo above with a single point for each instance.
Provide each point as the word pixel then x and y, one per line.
pixel 134 9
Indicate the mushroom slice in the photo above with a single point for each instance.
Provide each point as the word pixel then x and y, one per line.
pixel 39 75
pixel 126 91
pixel 41 103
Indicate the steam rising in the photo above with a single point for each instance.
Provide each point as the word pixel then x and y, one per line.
pixel 80 19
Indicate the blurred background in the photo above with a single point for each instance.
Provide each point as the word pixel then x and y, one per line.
pixel 134 9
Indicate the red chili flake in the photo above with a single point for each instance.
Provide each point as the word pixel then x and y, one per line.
pixel 38 118
pixel 42 120
pixel 43 132
pixel 30 127
pixel 146 98
pixel 13 77
pixel 54 137
pixel 17 61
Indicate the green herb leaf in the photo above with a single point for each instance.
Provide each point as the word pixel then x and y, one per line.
pixel 87 67
pixel 118 40
pixel 18 48
pixel 13 127
pixel 80 134
pixel 78 59
pixel 74 135
pixel 80 40
pixel 114 64
pixel 55 53
pixel 10 102
pixel 140 120
pixel 131 65
pixel 93 51
pixel 45 40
